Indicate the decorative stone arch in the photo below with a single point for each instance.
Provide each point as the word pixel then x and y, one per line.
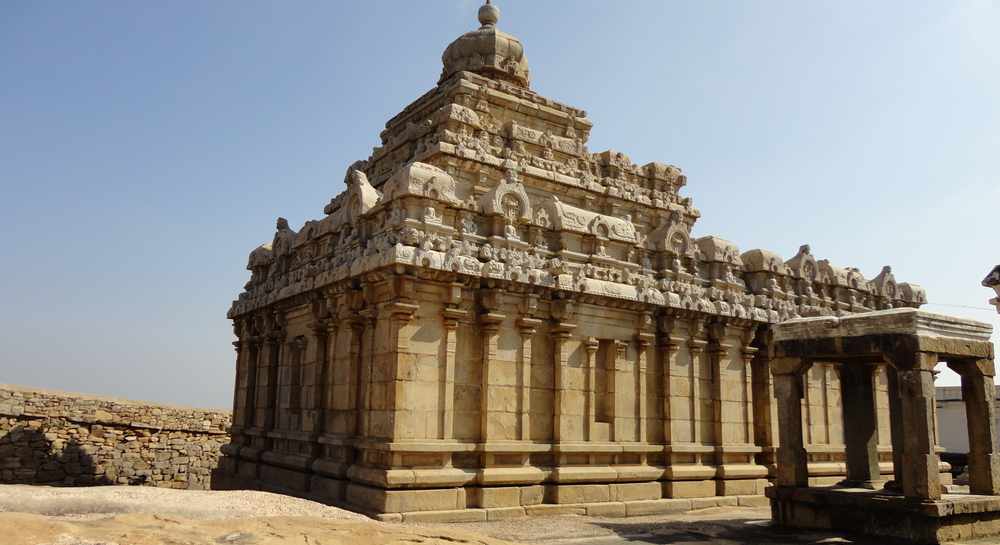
pixel 496 202
pixel 884 285
pixel 600 228
pixel 803 265
pixel 677 240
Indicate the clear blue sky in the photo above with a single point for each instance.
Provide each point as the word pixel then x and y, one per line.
pixel 146 147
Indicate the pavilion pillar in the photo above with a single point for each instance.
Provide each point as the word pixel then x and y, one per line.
pixel 792 467
pixel 896 427
pixel 860 424
pixel 921 464
pixel 979 395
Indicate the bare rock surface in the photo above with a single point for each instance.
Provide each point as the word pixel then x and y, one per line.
pixel 32 515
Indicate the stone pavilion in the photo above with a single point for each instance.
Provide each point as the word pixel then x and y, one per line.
pixel 913 505
pixel 492 320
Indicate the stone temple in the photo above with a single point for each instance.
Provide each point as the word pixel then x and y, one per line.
pixel 493 320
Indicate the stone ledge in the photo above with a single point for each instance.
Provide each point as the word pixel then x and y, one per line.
pixel 601 509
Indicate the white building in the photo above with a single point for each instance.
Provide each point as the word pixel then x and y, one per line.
pixel 953 434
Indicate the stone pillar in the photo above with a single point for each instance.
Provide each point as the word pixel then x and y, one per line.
pixel 792 467
pixel 370 334
pixel 860 424
pixel 718 356
pixel 560 357
pixel 828 372
pixel 357 325
pixel 325 333
pixel 921 464
pixel 274 344
pixel 765 415
pixel 590 350
pixel 526 327
pixel 979 395
pixel 615 432
pixel 390 413
pixel 490 327
pixel 668 357
pixel 696 348
pixel 748 353
pixel 643 342
pixel 451 321
pixel 250 396
pixel 241 367
pixel 895 427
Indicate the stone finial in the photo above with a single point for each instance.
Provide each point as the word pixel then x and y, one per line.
pixel 487 51
pixel 992 280
pixel 489 15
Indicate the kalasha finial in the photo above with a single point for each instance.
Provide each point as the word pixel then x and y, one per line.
pixel 489 14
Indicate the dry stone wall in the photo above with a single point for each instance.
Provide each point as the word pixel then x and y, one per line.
pixel 61 438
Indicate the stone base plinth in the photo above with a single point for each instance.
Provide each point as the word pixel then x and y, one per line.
pixel 877 513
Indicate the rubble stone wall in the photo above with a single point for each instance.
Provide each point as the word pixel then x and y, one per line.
pixel 60 438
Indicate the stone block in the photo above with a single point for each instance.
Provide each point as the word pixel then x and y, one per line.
pixel 689 489
pixel 532 495
pixel 505 513
pixel 609 509
pixel 461 515
pixel 636 491
pixel 657 507
pixel 753 501
pixel 581 493
pixel 508 496
pixel 549 510
pixel 741 487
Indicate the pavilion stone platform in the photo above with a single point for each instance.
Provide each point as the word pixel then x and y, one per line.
pixel 912 506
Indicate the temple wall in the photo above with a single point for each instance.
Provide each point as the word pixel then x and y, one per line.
pixel 472 395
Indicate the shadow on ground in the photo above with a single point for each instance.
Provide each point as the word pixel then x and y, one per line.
pixel 721 532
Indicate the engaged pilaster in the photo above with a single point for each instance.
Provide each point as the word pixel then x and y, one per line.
pixel 526 327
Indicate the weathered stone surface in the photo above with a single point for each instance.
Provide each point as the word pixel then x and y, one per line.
pixel 912 342
pixel 49 437
pixel 491 304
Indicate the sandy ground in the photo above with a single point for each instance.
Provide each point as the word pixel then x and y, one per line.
pixel 117 515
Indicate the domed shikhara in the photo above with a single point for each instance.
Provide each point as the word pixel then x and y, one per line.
pixel 487 51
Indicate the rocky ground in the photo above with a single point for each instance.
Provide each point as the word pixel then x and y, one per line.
pixel 116 515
